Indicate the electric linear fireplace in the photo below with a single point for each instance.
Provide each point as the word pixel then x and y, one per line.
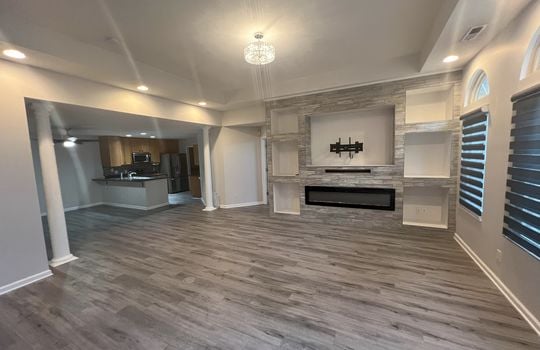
pixel 351 197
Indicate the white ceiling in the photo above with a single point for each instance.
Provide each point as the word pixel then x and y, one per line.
pixel 84 121
pixel 192 50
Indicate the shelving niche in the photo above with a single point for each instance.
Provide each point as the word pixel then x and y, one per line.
pixel 425 206
pixel 427 154
pixel 429 105
pixel 285 157
pixel 287 198
pixel 284 121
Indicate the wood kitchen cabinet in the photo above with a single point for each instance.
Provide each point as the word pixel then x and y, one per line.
pixel 168 146
pixel 111 151
pixel 154 150
pixel 116 150
pixel 131 145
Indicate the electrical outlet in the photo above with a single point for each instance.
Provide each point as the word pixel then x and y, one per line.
pixel 499 256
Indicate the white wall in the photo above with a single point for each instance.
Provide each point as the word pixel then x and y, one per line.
pixel 501 60
pixel 236 162
pixel 77 167
pixel 375 128
pixel 244 116
pixel 21 234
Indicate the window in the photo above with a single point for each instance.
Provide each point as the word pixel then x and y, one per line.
pixel 478 88
pixel 473 160
pixel 531 63
pixel 522 208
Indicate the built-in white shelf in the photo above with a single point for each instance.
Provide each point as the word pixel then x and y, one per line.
pixel 425 206
pixel 428 154
pixel 429 105
pixel 284 121
pixel 287 198
pixel 285 158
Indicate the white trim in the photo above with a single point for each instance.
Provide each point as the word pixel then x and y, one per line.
pixel 516 303
pixel 238 205
pixel 470 213
pixel 424 224
pixel 354 85
pixel 288 212
pixel 264 172
pixel 120 205
pixel 84 206
pixel 138 207
pixel 25 281
pixel 63 260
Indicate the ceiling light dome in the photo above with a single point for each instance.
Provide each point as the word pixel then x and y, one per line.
pixel 259 52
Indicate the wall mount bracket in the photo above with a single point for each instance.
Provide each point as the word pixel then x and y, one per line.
pixel 350 147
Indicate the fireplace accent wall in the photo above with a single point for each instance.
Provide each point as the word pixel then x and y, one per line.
pixel 351 197
pixel 420 198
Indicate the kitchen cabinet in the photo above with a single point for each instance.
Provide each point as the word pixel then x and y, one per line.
pixel 154 150
pixel 168 146
pixel 131 145
pixel 193 154
pixel 195 186
pixel 111 151
pixel 116 150
pixel 196 155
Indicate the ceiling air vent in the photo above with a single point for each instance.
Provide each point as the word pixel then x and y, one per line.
pixel 473 32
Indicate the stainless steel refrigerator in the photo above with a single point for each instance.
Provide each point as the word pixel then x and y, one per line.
pixel 174 165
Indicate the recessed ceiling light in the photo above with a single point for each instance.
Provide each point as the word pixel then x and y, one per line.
pixel 143 133
pixel 142 88
pixel 451 58
pixel 128 135
pixel 202 103
pixel 152 137
pixel 14 54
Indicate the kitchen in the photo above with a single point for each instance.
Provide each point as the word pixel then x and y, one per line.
pixel 143 172
pixel 111 159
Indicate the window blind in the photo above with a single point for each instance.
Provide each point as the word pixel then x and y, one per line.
pixel 522 208
pixel 473 160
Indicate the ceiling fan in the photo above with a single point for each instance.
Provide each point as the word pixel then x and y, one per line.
pixel 69 141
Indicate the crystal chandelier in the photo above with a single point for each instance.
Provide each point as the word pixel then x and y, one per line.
pixel 259 52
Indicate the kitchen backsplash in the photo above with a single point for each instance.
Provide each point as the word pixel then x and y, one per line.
pixel 140 169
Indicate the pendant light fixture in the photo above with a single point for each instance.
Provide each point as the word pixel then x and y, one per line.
pixel 259 52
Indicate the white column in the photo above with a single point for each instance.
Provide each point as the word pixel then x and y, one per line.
pixel 51 187
pixel 208 192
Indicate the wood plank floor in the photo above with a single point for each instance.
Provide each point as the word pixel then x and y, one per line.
pixel 239 279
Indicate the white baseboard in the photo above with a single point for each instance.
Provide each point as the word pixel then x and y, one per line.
pixel 238 205
pixel 516 303
pixel 120 205
pixel 138 207
pixel 63 260
pixel 25 281
pixel 84 206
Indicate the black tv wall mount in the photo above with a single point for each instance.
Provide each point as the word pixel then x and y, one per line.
pixel 350 147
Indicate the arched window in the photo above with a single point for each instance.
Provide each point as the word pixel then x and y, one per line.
pixel 531 63
pixel 478 87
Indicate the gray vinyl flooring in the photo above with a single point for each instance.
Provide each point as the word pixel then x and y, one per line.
pixel 181 278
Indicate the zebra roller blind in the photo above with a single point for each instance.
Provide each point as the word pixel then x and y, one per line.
pixel 473 160
pixel 522 208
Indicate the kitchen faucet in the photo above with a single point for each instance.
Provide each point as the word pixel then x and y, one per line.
pixel 131 173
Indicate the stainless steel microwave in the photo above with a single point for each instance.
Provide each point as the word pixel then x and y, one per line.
pixel 141 157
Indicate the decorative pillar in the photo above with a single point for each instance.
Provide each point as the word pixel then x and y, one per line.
pixel 208 192
pixel 51 187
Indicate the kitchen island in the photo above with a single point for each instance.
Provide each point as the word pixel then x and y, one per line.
pixel 136 192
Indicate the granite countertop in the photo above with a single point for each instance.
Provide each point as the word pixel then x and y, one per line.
pixel 135 178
